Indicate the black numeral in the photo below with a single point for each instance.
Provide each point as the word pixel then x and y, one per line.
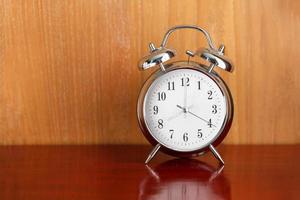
pixel 171 133
pixel 185 137
pixel 155 110
pixel 199 86
pixel 209 94
pixel 214 107
pixel 160 124
pixel 185 81
pixel 200 133
pixel 209 123
pixel 162 96
pixel 171 85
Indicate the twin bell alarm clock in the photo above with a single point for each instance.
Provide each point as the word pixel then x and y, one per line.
pixel 185 108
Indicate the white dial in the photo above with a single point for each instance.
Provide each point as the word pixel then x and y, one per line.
pixel 184 110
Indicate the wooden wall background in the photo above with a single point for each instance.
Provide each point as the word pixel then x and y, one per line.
pixel 68 72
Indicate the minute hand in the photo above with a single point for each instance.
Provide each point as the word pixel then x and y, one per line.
pixel 199 117
pixel 187 111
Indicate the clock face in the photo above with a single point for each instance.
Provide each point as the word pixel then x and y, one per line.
pixel 184 110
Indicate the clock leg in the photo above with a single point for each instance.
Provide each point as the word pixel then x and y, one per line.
pixel 152 153
pixel 216 154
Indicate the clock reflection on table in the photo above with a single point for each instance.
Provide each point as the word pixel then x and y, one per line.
pixel 184 179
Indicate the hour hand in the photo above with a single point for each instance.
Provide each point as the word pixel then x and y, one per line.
pixel 182 108
pixel 179 107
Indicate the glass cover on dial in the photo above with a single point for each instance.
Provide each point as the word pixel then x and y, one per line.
pixel 184 110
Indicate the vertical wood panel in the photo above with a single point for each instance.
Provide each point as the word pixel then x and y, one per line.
pixel 69 68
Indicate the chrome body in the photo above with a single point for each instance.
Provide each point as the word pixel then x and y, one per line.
pixel 171 30
pixel 162 54
pixel 216 58
pixel 157 56
pixel 202 69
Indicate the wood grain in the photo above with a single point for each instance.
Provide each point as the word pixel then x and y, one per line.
pixel 118 172
pixel 69 74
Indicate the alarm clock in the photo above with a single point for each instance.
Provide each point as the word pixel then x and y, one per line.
pixel 185 108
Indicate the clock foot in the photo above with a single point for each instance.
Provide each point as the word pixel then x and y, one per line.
pixel 152 153
pixel 216 154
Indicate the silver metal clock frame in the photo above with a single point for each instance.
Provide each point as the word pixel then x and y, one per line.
pixel 215 141
pixel 216 58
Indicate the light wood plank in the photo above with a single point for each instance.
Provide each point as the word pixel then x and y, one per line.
pixel 69 74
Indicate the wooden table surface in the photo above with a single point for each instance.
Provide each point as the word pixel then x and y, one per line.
pixel 118 172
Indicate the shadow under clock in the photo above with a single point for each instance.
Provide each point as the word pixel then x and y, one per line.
pixel 184 179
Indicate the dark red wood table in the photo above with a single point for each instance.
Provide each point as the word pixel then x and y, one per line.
pixel 118 172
